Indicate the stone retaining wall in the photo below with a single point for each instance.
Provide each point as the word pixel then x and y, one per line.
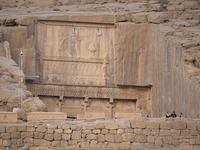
pixel 141 133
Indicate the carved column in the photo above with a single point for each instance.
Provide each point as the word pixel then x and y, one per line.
pixel 60 103
pixel 86 104
pixel 110 106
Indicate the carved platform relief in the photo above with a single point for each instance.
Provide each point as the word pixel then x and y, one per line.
pixel 74 55
pixel 92 92
pixel 73 73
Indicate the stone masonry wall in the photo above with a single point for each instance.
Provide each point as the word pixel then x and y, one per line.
pixel 133 133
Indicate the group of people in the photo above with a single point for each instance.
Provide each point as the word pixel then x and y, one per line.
pixel 173 115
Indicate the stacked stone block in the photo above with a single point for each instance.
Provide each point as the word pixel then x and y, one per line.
pixel 145 133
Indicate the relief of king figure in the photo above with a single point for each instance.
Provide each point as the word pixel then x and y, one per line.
pixel 81 43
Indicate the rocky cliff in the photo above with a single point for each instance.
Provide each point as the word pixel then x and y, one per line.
pixel 13 91
pixel 156 43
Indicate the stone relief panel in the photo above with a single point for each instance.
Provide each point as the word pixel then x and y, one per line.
pixel 74 54
pixel 73 73
pixel 70 41
pixel 92 92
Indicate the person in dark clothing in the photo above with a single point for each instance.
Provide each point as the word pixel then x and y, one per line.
pixel 173 114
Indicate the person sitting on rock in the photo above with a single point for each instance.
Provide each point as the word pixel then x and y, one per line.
pixel 167 115
pixel 173 114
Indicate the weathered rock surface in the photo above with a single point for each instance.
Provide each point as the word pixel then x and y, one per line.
pixel 12 93
pixel 33 104
pixel 10 89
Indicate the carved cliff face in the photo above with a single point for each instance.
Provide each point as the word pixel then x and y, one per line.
pixel 109 55
pixel 74 54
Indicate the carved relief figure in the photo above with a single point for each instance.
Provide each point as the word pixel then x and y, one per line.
pixel 92 50
pixel 5 49
pixel 98 35
pixel 79 42
pixel 64 46
pixel 73 46
pixel 6 46
pixel 94 47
